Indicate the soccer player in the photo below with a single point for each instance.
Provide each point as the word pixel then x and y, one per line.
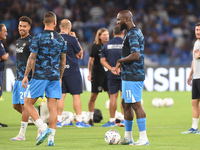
pixel 195 71
pixel 3 57
pixel 48 57
pixel 22 53
pixel 131 66
pixel 110 54
pixel 97 73
pixel 71 81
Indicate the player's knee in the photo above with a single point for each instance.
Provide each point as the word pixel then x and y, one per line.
pixel 15 107
pixel 52 109
pixel 92 99
pixel 93 96
pixel 195 103
pixel 143 114
pixel 138 108
pixel 25 106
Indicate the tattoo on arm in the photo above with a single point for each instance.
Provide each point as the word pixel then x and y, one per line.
pixel 30 63
pixel 33 69
pixel 62 63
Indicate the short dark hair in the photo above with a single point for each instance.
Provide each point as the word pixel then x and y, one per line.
pixel 117 30
pixel 26 19
pixel 1 25
pixel 49 17
pixel 197 24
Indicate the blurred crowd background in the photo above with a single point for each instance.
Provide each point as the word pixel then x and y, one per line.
pixel 168 25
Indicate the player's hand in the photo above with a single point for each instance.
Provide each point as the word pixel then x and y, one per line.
pixel 89 78
pixel 25 82
pixel 118 67
pixel 72 34
pixel 189 80
pixel 80 55
pixel 113 70
pixel 196 54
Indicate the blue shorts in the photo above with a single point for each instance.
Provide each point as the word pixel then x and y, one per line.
pixel 18 93
pixel 114 85
pixel 36 88
pixel 72 84
pixel 1 82
pixel 132 91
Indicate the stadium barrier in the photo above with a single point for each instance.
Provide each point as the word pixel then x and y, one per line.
pixel 157 78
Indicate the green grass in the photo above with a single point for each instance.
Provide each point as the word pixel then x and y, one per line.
pixel 164 126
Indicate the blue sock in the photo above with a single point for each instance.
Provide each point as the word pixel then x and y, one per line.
pixel 128 125
pixel 141 122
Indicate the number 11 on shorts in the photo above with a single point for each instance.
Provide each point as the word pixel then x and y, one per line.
pixel 128 94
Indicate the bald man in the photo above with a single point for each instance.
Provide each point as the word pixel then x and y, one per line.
pixel 131 66
pixel 48 57
pixel 71 81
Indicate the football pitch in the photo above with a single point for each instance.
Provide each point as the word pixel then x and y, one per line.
pixel 164 126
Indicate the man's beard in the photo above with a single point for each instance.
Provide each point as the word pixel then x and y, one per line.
pixel 123 26
pixel 22 33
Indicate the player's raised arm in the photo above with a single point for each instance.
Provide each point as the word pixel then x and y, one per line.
pixel 196 54
pixel 80 54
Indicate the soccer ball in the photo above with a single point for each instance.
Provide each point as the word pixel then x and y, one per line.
pixel 157 102
pixel 85 116
pixel 112 137
pixel 67 115
pixel 168 102
pixel 107 104
pixel 65 122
